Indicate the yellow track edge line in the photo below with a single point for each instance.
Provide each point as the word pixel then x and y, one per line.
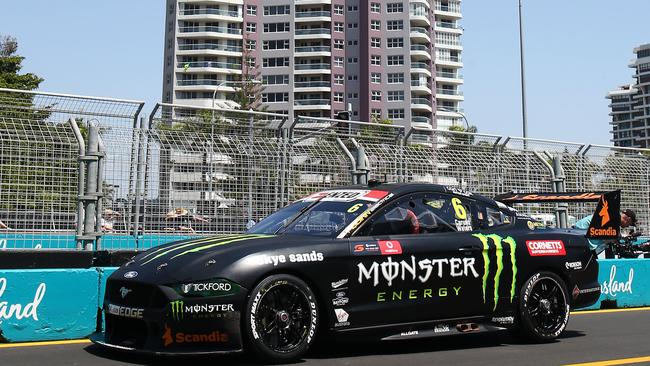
pixel 47 343
pixel 609 311
pixel 620 361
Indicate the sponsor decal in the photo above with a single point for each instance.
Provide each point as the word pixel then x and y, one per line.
pixel 124 291
pixel 291 258
pixel 550 197
pixel 131 274
pixel 409 333
pixel 531 226
pixel 253 323
pixel 613 286
pixel 543 248
pixel 504 319
pixel 436 204
pixel 340 299
pixel 365 248
pixel 339 283
pixel 20 311
pixel 610 231
pixel 178 310
pixel 441 328
pixel 388 270
pixel 214 288
pixel 463 225
pixel 125 311
pixel 390 247
pixel 573 265
pixel 604 213
pixel 363 216
pixel 498 242
pixel 188 338
pixel 346 195
pixel 577 291
pixel 427 293
pixel 459 191
pixel 342 317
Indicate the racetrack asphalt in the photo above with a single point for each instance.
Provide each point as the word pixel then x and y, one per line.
pixel 619 336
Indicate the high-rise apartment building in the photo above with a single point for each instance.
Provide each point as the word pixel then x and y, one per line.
pixel 395 59
pixel 630 105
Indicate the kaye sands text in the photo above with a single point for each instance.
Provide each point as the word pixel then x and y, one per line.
pixel 19 311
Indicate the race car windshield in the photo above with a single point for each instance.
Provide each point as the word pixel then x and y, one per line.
pixel 320 218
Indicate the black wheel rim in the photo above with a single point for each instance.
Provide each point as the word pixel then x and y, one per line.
pixel 283 317
pixel 547 306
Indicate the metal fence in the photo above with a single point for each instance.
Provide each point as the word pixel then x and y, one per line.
pixel 186 171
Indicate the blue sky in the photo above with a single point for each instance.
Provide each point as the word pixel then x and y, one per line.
pixel 576 51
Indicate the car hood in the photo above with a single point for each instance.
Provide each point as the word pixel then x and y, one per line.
pixel 195 259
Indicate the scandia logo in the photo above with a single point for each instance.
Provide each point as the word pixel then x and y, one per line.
pixel 497 240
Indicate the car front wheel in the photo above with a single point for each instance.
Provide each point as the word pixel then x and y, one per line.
pixel 543 307
pixel 281 318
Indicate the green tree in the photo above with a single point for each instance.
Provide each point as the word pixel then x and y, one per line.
pixel 10 66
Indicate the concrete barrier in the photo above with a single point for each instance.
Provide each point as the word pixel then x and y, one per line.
pixel 56 304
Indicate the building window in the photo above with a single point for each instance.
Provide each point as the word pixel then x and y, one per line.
pixel 275 79
pixel 395 7
pixel 395 95
pixel 375 77
pixel 375 60
pixel 353 42
pixel 352 77
pixel 339 9
pixel 353 8
pixel 375 7
pixel 251 27
pixel 375 112
pixel 251 10
pixel 395 78
pixel 353 95
pixel 338 97
pixel 339 79
pixel 339 44
pixel 276 27
pixel 393 25
pixel 353 60
pixel 280 44
pixel 395 60
pixel 250 61
pixel 275 97
pixel 396 113
pixel 339 27
pixel 353 25
pixel 251 44
pixel 277 10
pixel 375 95
pixel 375 42
pixel 395 42
pixel 375 25
pixel 275 62
pixel 338 61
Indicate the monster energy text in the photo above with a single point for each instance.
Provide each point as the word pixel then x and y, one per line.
pixel 178 309
pixel 498 244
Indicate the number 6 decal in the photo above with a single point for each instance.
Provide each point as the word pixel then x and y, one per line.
pixel 459 209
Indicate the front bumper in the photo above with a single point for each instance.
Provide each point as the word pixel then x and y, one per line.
pixel 155 319
pixel 100 340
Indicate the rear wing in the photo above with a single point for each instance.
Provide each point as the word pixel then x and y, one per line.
pixel 606 220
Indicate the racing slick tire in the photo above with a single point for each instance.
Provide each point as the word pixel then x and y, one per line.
pixel 543 307
pixel 281 319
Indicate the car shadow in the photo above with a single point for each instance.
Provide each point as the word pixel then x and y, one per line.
pixel 332 349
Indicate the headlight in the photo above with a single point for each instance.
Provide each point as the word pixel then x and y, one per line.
pixel 212 288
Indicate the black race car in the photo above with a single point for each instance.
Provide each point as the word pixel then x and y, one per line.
pixel 389 261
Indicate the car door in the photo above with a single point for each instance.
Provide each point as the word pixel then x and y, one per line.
pixel 416 260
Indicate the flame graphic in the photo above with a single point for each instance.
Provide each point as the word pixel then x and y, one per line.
pixel 167 336
pixel 604 213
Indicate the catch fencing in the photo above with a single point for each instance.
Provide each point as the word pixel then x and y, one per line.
pixel 187 171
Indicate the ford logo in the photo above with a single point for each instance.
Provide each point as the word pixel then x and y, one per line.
pixel 131 274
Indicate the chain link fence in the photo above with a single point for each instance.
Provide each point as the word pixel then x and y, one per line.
pixel 186 171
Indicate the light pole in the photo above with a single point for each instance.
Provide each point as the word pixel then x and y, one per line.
pixel 523 79
pixel 445 109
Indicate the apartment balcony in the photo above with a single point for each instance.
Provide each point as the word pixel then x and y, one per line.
pixel 311 51
pixel 421 67
pixel 210 31
pixel 313 2
pixel 420 87
pixel 421 122
pixel 313 16
pixel 203 85
pixel 420 34
pixel 313 33
pixel 449 111
pixel 319 68
pixel 210 49
pixel 209 66
pixel 449 94
pixel 311 104
pixel 421 104
pixel 210 14
pixel 449 10
pixel 229 2
pixel 449 77
pixel 419 18
pixel 449 61
pixel 447 43
pixel 420 51
pixel 312 86
pixel 448 27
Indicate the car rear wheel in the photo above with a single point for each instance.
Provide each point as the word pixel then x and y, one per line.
pixel 543 307
pixel 281 318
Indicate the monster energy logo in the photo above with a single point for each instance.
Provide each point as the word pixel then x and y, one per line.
pixel 178 310
pixel 498 244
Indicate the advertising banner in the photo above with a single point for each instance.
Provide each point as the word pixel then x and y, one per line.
pixel 626 281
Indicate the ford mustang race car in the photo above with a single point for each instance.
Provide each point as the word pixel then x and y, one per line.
pixel 385 261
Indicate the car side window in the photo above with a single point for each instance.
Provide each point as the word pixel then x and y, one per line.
pixel 421 214
pixel 492 216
